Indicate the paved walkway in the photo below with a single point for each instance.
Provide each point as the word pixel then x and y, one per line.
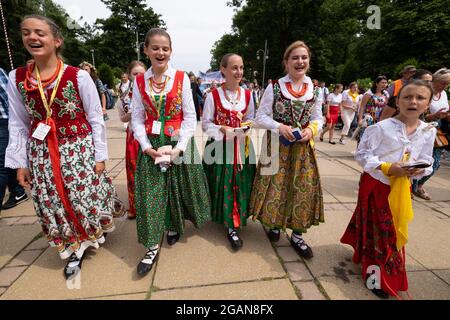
pixel 202 266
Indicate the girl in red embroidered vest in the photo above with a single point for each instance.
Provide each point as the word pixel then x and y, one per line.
pixel 132 146
pixel 229 159
pixel 287 191
pixel 164 115
pixel 58 143
pixel 378 229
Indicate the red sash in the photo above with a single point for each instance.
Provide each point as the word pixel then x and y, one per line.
pixel 230 118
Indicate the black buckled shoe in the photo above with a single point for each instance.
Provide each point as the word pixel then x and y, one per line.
pixel 380 293
pixel 171 240
pixel 273 236
pixel 303 250
pixel 75 268
pixel 147 262
pixel 235 244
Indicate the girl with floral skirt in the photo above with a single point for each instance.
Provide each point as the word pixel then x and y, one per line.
pixel 125 109
pixel 58 144
pixel 164 116
pixel 378 229
pixel 229 159
pixel 290 195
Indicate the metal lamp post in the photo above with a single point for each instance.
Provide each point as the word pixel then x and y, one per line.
pixel 265 57
pixel 93 59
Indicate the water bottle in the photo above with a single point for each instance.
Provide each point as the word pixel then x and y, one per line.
pixel 164 166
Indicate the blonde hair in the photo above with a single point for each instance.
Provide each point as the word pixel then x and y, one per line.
pixel 93 72
pixel 292 47
pixel 442 74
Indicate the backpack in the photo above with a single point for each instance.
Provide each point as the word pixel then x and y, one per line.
pixel 109 98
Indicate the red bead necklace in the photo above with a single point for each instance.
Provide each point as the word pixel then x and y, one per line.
pixel 297 94
pixel 29 83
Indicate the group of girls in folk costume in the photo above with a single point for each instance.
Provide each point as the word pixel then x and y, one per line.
pixel 164 115
pixel 333 108
pixel 372 104
pixel 378 230
pixel 290 196
pixel 58 144
pixel 125 109
pixel 229 159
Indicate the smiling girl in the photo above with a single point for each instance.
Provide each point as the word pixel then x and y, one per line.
pixel 58 144
pixel 164 115
pixel 229 167
pixel 292 196
pixel 378 230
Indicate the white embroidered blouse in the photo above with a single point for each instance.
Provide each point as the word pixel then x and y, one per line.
pixel 208 125
pixel 386 141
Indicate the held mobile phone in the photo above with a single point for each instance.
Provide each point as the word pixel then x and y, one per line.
pixel 297 134
pixel 416 165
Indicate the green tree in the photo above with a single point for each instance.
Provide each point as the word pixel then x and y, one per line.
pixel 106 74
pixel 417 29
pixel 329 27
pixel 118 72
pixel 343 47
pixel 15 10
pixel 116 44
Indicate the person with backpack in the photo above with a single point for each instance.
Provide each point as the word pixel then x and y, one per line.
pixel 99 84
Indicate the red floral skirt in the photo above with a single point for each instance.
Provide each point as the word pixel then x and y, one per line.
pixel 334 115
pixel 131 154
pixel 372 235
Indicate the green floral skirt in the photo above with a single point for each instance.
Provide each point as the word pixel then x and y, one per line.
pixel 164 200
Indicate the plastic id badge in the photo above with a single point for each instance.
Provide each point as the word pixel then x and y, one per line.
pixel 41 131
pixel 156 128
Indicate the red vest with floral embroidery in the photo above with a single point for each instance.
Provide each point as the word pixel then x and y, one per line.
pixel 225 117
pixel 67 108
pixel 173 106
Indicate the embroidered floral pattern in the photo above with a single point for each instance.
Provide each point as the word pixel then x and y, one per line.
pixel 176 103
pixel 291 112
pixel 29 102
pixel 71 105
pixel 91 196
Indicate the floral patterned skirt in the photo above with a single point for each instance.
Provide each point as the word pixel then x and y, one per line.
pixel 223 184
pixel 91 196
pixel 292 197
pixel 164 200
pixel 372 235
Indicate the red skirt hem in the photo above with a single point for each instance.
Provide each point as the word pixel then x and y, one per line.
pixel 372 235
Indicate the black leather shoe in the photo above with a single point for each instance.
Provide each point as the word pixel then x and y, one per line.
pixel 235 244
pixel 70 272
pixel 171 240
pixel 274 236
pixel 380 293
pixel 147 262
pixel 305 252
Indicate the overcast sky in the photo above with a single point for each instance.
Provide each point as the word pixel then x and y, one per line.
pixel 193 25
